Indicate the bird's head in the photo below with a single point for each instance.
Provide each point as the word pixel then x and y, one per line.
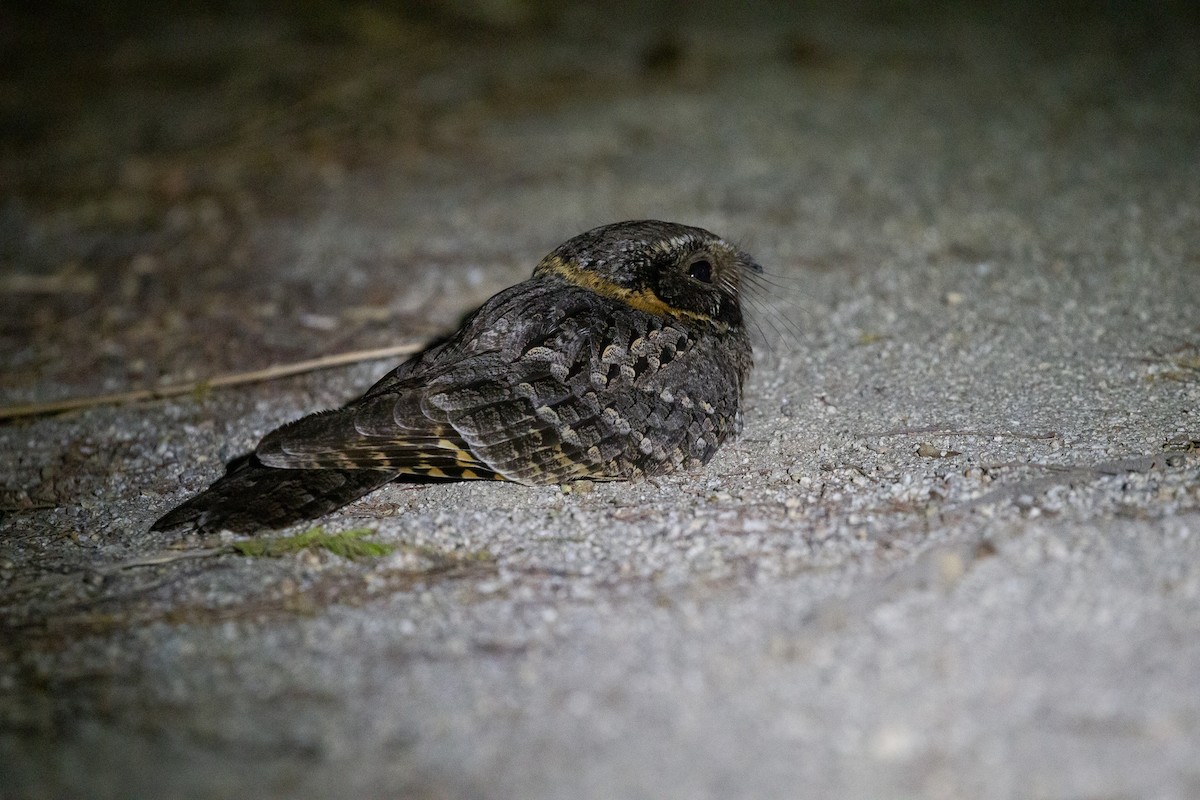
pixel 663 268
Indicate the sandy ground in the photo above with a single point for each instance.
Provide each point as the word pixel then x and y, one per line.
pixel 956 552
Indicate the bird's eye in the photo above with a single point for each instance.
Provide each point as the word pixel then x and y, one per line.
pixel 701 270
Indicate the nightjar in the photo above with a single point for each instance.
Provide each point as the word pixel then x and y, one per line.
pixel 622 356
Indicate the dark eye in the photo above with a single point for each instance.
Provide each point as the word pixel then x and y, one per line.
pixel 701 270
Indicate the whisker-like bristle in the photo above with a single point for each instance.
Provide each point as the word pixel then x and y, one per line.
pixel 766 279
pixel 769 295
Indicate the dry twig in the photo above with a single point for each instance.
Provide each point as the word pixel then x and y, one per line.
pixel 948 431
pixel 235 379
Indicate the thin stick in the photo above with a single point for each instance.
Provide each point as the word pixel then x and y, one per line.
pixel 944 431
pixel 164 557
pixel 235 379
pixel 152 560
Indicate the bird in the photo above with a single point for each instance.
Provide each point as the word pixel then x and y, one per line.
pixel 622 357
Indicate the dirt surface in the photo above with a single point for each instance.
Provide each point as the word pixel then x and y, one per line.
pixel 956 552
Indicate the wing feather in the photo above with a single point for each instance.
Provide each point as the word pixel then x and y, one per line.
pixel 575 402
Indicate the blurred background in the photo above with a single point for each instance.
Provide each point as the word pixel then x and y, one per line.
pixel 194 188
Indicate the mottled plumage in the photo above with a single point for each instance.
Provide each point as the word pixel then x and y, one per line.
pixel 622 356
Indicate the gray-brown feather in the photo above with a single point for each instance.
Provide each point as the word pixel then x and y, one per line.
pixel 588 387
pixel 251 496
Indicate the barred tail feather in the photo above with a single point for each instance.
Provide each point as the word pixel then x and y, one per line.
pixel 251 496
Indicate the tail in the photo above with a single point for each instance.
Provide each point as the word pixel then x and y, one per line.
pixel 251 496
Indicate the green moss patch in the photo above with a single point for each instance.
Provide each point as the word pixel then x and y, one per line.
pixel 351 544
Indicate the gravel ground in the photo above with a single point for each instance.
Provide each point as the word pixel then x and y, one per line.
pixel 955 553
